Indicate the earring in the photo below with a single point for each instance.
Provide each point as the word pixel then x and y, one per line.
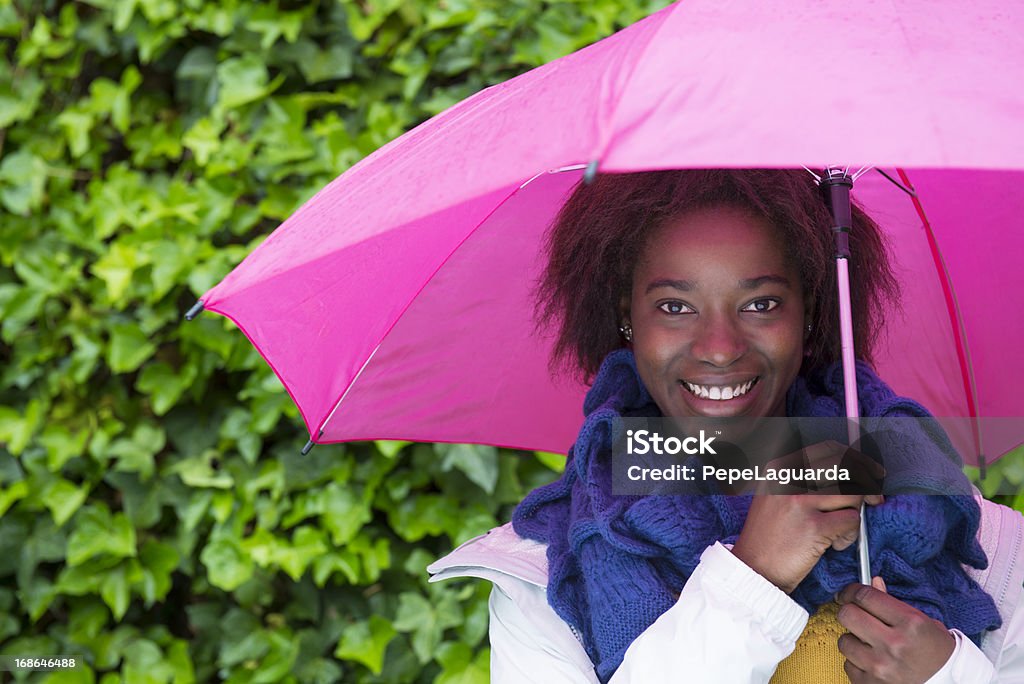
pixel 627 331
pixel 809 327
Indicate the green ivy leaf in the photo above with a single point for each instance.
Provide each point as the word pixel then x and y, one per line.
pixel 460 666
pixel 227 565
pixel 158 561
pixel 116 267
pixel 115 591
pixel 19 98
pixel 88 618
pixel 426 621
pixel 12 494
pixel 199 471
pixel 98 532
pixel 22 307
pixel 307 545
pixel 478 462
pixel 416 517
pixel 365 642
pixel 203 139
pixel 129 348
pixel 344 562
pixel 62 499
pixel 164 385
pixel 36 597
pixel 345 513
pixel 61 445
pixel 243 80
pixel 22 182
pixel 555 462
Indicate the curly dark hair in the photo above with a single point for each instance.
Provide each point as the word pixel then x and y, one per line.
pixel 599 234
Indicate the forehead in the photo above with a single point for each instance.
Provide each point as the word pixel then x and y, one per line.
pixel 719 237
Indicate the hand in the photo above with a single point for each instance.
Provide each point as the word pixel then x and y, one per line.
pixel 866 476
pixel 784 535
pixel 889 641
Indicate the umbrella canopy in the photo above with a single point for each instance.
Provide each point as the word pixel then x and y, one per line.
pixel 397 303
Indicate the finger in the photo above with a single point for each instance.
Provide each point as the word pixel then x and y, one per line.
pixel 886 608
pixel 835 502
pixel 840 528
pixel 879 583
pixel 821 454
pixel 846 541
pixel 865 477
pixel 857 652
pixel 863 625
pixel 856 675
pixel 864 472
pixel 855 476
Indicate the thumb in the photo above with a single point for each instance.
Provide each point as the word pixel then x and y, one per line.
pixel 878 583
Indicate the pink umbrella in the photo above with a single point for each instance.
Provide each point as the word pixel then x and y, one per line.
pixel 396 304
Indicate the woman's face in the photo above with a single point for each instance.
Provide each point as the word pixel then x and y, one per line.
pixel 718 316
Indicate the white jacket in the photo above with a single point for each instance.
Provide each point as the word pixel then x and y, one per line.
pixel 729 624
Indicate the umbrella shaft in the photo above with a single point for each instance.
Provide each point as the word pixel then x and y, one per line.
pixel 846 344
pixel 850 391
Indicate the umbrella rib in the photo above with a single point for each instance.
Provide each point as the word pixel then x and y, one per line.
pixel 344 394
pixel 901 186
pixel 351 384
pixel 607 131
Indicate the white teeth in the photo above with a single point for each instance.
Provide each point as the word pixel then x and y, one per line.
pixel 717 393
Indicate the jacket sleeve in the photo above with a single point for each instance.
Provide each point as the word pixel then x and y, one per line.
pixel 729 625
pixel 1010 666
pixel 968 665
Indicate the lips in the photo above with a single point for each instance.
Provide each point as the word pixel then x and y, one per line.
pixel 720 391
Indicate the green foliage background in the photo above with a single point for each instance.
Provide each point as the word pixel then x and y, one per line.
pixel 156 516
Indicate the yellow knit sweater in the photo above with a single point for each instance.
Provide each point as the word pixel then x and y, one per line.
pixel 816 658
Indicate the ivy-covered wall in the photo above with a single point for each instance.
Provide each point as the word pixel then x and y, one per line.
pixel 156 516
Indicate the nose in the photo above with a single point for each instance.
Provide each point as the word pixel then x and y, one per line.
pixel 719 341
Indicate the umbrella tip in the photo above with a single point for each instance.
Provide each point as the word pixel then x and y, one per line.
pixel 310 444
pixel 196 309
pixel 591 173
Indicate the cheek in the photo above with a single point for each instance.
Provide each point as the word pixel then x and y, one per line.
pixel 787 349
pixel 654 364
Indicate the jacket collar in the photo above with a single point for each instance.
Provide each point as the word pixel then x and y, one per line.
pixel 500 550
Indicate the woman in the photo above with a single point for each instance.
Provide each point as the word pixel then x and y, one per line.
pixel 710 294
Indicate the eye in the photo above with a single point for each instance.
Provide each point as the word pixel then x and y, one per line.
pixel 675 307
pixel 762 305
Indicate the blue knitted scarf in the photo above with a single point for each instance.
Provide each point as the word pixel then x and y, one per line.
pixel 616 563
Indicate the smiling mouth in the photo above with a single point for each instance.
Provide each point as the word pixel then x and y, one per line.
pixel 720 392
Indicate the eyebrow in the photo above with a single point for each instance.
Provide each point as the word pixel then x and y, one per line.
pixel 754 283
pixel 681 285
pixel 690 286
